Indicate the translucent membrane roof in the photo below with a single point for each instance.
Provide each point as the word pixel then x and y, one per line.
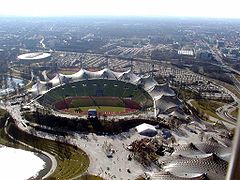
pixel 162 94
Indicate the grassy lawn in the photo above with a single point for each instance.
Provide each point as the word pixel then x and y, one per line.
pixel 235 113
pixel 2 112
pixel 3 138
pixel 208 107
pixel 71 161
pixel 90 177
pixel 187 94
pixel 96 101
pixel 101 90
pixel 67 168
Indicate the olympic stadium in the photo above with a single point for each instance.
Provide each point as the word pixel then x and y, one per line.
pixel 111 92
pixel 126 93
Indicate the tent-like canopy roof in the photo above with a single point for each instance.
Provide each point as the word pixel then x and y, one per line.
pixel 164 96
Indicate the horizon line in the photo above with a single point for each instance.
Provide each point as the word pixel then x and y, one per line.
pixel 122 16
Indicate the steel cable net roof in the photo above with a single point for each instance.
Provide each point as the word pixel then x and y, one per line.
pixel 211 147
pixel 168 102
pixel 164 96
pixel 214 167
pixel 190 161
pixel 161 89
pixel 178 112
pixel 148 83
pixel 186 150
pixel 170 176
pixel 39 88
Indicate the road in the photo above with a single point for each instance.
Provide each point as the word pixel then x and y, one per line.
pixel 225 111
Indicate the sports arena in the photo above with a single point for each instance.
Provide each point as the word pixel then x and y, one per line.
pixel 107 91
pixel 34 57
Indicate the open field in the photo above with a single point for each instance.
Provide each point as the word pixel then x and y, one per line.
pixel 235 113
pixel 2 112
pixel 96 101
pixel 207 107
pixel 86 101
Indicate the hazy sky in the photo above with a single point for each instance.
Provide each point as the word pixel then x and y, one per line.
pixel 196 8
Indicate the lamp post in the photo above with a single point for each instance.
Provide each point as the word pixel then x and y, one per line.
pixel 154 107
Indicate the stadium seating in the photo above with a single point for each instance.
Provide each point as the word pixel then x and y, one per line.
pixel 89 90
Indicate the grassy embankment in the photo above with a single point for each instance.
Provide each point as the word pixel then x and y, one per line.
pixel 235 113
pixel 4 140
pixel 207 107
pixel 71 161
